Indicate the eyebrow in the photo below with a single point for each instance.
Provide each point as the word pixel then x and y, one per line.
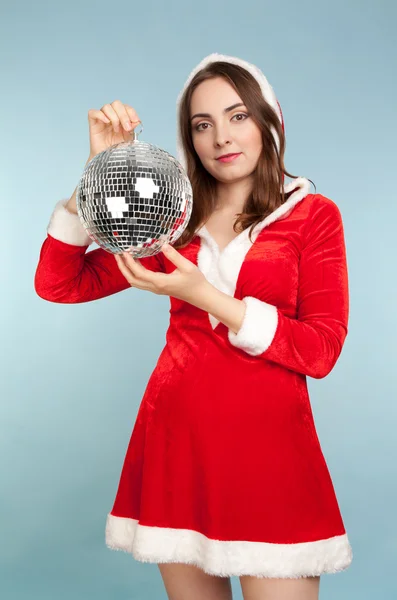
pixel 225 110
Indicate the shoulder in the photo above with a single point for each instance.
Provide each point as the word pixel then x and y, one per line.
pixel 323 217
pixel 320 203
pixel 320 207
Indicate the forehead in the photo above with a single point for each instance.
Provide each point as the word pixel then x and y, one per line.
pixel 215 93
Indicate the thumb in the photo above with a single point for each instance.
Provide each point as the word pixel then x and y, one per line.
pixel 173 255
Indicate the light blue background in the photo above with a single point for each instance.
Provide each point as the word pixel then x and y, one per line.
pixel 72 376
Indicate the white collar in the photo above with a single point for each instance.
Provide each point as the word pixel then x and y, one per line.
pixel 222 268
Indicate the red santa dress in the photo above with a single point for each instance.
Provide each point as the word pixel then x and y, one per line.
pixel 224 468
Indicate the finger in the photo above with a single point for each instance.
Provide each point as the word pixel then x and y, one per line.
pixel 125 270
pixel 129 275
pixel 148 280
pixel 137 269
pixel 97 115
pixel 123 115
pixel 175 257
pixel 133 115
pixel 111 113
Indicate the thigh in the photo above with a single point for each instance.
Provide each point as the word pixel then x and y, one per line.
pixel 263 588
pixel 188 582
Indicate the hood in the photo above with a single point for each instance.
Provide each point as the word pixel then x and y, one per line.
pixel 301 184
pixel 267 92
pixel 222 268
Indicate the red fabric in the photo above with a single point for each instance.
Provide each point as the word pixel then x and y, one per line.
pixel 69 274
pixel 225 443
pixel 311 294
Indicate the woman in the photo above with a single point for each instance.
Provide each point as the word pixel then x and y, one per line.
pixel 224 474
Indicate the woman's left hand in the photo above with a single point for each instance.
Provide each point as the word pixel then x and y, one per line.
pixel 186 282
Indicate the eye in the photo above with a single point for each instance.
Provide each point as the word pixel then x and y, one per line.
pixel 240 115
pixel 236 115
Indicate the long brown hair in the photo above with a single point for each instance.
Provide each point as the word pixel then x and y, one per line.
pixel 269 173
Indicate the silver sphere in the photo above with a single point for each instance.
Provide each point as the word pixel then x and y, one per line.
pixel 134 197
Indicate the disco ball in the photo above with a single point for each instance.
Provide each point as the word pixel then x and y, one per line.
pixel 134 197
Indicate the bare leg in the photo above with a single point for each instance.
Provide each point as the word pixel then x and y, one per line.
pixel 262 588
pixel 188 582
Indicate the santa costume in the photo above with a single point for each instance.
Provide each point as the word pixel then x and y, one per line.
pixel 224 468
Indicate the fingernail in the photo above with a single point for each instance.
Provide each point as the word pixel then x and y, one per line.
pixel 127 125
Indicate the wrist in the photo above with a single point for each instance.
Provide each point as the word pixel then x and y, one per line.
pixel 223 307
pixel 206 295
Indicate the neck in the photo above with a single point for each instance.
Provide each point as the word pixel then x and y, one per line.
pixel 231 197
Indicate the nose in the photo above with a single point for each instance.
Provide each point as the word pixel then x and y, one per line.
pixel 222 135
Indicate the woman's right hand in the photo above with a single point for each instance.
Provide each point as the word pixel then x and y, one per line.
pixel 112 124
pixel 107 128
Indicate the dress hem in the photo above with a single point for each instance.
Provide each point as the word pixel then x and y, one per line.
pixel 227 558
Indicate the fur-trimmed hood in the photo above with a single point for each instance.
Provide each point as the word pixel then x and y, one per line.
pixel 301 184
pixel 221 268
pixel 267 91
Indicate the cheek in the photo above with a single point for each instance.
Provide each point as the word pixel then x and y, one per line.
pixel 196 142
pixel 250 135
pixel 200 145
pixel 253 139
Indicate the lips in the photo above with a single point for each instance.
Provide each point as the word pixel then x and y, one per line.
pixel 227 155
pixel 229 158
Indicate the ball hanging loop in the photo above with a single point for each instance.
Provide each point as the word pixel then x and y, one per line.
pixel 135 134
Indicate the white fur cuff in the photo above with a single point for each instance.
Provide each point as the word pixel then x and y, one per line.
pixel 67 227
pixel 258 327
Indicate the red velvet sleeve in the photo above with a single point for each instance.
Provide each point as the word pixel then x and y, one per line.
pixel 311 343
pixel 67 273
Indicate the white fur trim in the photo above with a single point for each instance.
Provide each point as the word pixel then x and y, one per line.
pixel 227 558
pixel 266 88
pixel 258 327
pixel 222 268
pixel 66 227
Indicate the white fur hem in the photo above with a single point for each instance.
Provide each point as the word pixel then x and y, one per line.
pixel 258 327
pixel 67 227
pixel 230 558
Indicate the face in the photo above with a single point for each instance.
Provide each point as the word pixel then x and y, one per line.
pixel 224 132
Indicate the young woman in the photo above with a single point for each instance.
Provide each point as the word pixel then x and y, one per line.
pixel 224 473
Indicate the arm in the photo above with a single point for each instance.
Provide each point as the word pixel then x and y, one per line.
pixel 67 273
pixel 311 343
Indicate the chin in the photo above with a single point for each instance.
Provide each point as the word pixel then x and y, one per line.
pixel 233 172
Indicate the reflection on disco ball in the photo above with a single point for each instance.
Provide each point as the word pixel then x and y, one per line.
pixel 134 197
